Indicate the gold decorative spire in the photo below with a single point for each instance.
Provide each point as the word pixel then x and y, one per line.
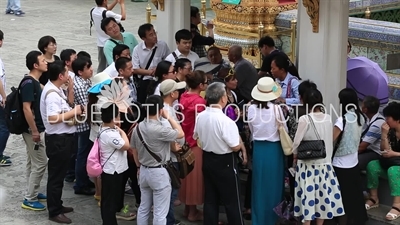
pixel 312 7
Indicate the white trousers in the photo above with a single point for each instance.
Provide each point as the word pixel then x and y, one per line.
pixel 155 186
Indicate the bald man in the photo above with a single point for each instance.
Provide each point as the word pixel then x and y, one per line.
pixel 246 73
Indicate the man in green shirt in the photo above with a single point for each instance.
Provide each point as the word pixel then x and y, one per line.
pixel 110 26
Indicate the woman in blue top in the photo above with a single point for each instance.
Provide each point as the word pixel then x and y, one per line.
pixel 286 75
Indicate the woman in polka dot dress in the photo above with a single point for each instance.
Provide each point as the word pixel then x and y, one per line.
pixel 317 191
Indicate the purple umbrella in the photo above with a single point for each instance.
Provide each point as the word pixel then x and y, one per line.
pixel 367 78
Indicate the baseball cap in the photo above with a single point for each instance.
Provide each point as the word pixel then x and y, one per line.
pixel 169 85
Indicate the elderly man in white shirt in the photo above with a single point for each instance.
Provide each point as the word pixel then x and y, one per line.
pixel 219 138
pixel 59 137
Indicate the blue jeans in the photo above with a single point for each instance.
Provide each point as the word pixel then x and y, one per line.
pixel 14 5
pixel 84 147
pixel 174 196
pixel 4 133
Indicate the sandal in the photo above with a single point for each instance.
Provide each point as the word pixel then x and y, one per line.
pixel 374 204
pixel 393 216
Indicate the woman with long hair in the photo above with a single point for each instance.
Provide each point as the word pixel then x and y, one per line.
pixel 192 189
pixel 347 133
pixel 317 191
pixel 164 71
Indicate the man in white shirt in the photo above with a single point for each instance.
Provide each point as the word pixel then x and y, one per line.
pixel 120 50
pixel 97 17
pixel 154 180
pixel 183 40
pixel 146 56
pixel 169 90
pixel 4 133
pixel 59 137
pixel 124 67
pixel 220 171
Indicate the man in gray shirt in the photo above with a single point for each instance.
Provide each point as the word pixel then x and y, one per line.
pixel 154 180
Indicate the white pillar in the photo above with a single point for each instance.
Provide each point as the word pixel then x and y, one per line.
pixel 176 16
pixel 322 56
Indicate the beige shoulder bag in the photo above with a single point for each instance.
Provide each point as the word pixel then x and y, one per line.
pixel 286 141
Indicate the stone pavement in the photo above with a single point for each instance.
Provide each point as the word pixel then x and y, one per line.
pixel 68 23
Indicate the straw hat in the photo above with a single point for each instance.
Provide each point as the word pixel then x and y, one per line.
pixel 169 85
pixel 266 90
pixel 98 81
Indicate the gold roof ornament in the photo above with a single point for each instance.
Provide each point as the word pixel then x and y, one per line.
pixel 158 3
pixel 312 7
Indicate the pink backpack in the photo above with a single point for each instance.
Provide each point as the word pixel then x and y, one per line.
pixel 93 164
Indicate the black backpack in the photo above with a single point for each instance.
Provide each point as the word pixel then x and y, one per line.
pixel 104 16
pixel 14 111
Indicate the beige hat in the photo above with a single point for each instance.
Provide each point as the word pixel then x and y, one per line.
pixel 169 85
pixel 266 90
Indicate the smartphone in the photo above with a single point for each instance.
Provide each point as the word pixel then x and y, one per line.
pixel 36 146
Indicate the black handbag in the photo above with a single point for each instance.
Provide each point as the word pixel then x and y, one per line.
pixel 169 166
pixel 312 149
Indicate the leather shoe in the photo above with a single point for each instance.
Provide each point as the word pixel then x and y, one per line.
pixel 85 191
pixel 61 218
pixel 67 209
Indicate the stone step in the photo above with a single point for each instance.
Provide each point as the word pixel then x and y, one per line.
pixel 377 216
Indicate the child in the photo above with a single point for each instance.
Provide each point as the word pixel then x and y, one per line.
pixel 113 144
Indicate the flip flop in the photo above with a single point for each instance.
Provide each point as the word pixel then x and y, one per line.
pixel 392 216
pixel 368 207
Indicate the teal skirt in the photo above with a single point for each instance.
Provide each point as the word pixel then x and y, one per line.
pixel 268 181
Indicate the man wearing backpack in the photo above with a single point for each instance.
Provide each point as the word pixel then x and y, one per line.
pixel 96 17
pixel 30 92
pixel 4 133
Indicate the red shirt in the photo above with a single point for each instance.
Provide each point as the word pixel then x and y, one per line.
pixel 191 104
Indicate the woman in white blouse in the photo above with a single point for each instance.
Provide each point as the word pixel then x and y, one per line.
pixel 317 192
pixel 268 158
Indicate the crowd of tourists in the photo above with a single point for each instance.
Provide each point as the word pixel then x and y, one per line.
pixel 178 127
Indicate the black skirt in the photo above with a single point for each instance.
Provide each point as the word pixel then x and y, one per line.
pixel 352 196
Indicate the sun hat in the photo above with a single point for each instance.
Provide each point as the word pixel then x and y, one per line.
pixel 266 90
pixel 169 85
pixel 205 65
pixel 98 81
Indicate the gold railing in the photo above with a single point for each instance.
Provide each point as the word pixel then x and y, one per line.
pixel 149 17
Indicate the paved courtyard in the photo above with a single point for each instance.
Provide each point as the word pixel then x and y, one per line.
pixel 68 23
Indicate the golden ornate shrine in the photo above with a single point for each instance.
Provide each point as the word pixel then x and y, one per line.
pixel 244 24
